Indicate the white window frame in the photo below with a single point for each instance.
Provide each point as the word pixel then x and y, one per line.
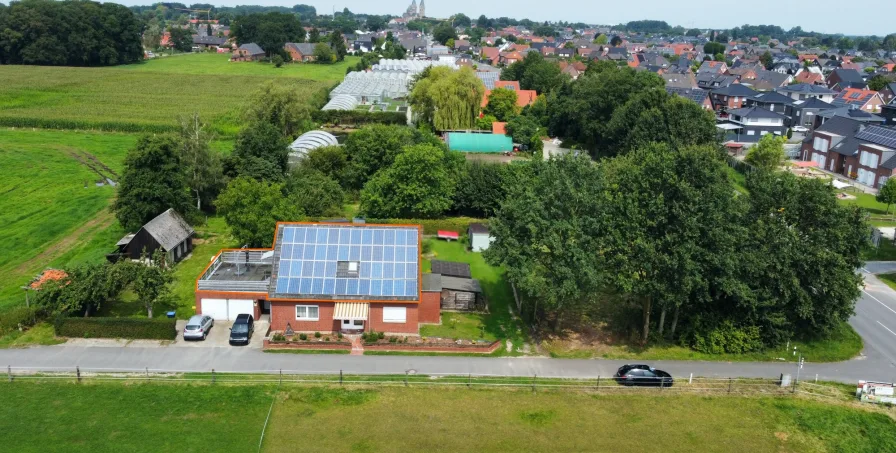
pixel 306 309
pixel 395 315
pixel 751 132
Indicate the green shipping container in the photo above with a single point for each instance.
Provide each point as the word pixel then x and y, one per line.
pixel 467 142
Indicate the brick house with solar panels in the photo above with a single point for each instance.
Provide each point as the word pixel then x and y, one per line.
pixel 324 277
pixel 861 152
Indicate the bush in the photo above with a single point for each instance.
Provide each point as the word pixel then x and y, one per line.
pixel 316 334
pixel 278 337
pixel 17 317
pixel 727 338
pixel 339 335
pixel 381 335
pixel 277 60
pixel 432 226
pixel 393 339
pixel 358 117
pixel 303 337
pixel 130 328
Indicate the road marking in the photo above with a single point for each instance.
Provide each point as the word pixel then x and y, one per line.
pixel 866 270
pixel 885 327
pixel 878 301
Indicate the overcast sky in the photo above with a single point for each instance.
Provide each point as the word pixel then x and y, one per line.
pixel 828 16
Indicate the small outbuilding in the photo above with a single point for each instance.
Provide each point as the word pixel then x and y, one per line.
pixel 455 293
pixel 168 231
pixel 480 239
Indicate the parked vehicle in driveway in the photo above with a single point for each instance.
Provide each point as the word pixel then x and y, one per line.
pixel 197 327
pixel 243 327
pixel 801 129
pixel 643 375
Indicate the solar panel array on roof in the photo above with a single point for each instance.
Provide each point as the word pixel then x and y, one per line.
pixel 883 136
pixel 348 262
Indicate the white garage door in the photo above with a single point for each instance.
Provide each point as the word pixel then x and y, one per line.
pixel 216 308
pixel 237 307
pixel 226 309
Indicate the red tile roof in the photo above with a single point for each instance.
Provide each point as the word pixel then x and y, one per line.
pixel 47 276
pixel 809 77
pixel 498 128
pixel 512 84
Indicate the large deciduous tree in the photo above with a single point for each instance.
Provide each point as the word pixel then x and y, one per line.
pixel 154 180
pixel 205 174
pixel 501 104
pixel 374 148
pixel 481 188
pixel 887 193
pixel 152 281
pixel 270 30
pixel 252 209
pixel 419 184
pixel 316 193
pixel 546 236
pixel 768 154
pixel 282 106
pixel 260 152
pixel 448 99
pixel 535 73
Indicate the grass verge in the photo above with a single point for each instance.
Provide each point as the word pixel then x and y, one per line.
pixel 40 335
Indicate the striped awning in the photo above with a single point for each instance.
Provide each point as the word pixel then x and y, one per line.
pixel 353 311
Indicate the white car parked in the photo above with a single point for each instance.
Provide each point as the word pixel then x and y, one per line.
pixel 800 129
pixel 198 327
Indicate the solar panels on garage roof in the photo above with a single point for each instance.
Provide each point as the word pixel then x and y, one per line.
pixel 348 262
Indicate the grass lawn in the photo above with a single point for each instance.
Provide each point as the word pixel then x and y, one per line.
pixel 843 344
pixel 738 179
pixel 220 64
pixel 498 323
pixel 49 416
pixel 111 417
pixel 137 99
pixel 456 419
pixel 51 212
pixel 41 334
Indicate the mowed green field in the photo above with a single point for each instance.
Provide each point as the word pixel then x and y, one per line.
pixel 92 417
pixel 52 213
pixel 146 97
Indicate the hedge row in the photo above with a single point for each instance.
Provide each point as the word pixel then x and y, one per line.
pixel 432 226
pixel 130 328
pixel 10 320
pixel 358 118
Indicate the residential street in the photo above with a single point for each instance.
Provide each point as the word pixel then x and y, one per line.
pixel 875 320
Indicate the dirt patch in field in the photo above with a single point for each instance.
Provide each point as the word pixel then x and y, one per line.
pixel 103 219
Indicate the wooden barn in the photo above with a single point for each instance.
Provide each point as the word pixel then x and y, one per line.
pixel 167 231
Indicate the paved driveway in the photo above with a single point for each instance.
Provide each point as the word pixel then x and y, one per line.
pixel 219 336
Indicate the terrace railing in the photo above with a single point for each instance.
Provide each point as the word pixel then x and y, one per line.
pixel 237 258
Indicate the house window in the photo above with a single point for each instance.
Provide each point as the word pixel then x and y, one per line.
pixel 763 133
pixel 809 114
pixel 307 313
pixel 348 269
pixel 395 314
pixel 751 132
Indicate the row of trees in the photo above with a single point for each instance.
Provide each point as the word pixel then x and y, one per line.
pixel 660 231
pixel 82 33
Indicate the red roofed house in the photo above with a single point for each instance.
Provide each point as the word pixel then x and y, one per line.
pixel 492 54
pixel 812 78
pixel 511 84
pixel 510 58
pixel 499 128
pixel 808 56
pixel 867 100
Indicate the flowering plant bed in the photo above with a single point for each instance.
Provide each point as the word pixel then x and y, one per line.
pixel 278 340
pixel 381 342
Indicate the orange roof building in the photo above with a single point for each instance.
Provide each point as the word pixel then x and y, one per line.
pixel 499 128
pixel 49 275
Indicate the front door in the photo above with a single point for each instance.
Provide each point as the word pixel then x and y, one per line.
pixel 348 324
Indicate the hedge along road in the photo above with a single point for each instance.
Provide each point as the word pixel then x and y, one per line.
pixel 875 321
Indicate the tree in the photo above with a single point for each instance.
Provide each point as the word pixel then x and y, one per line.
pixel 375 23
pixel 502 104
pixel 314 35
pixel 483 22
pixel 616 41
pixel 889 43
pixel 337 43
pixel 712 48
pixel 252 209
pixel 546 234
pixel 180 39
pixel 282 106
pixel 481 188
pixel 767 60
pixel 154 180
pixel 887 193
pixel 323 54
pixel 443 32
pixel 332 161
pixel 535 73
pixel 316 193
pixel 85 288
pixel 419 184
pixel 485 123
pixel 446 99
pixel 672 218
pixel 693 32
pixel 601 39
pixel 373 148
pixel 277 61
pixel 878 82
pixel 461 20
pixel 204 170
pixel 768 154
pixel 522 129
pixel 152 281
pixel 260 152
pixel 270 30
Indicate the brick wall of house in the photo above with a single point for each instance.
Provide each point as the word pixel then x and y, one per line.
pixel 375 319
pixel 429 308
pixel 258 297
pixel 285 312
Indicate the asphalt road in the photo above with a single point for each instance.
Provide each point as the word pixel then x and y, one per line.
pixel 875 320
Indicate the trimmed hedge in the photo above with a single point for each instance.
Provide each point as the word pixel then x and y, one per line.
pixel 10 320
pixel 432 226
pixel 358 118
pixel 130 328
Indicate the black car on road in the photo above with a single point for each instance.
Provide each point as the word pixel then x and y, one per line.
pixel 643 375
pixel 243 327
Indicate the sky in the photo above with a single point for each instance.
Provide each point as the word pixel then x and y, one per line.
pixel 873 17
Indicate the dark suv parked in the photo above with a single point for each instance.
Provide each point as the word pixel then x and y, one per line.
pixel 242 329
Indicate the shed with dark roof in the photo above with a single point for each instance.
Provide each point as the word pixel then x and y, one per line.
pixel 168 232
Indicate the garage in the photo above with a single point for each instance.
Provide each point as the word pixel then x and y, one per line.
pixel 227 309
